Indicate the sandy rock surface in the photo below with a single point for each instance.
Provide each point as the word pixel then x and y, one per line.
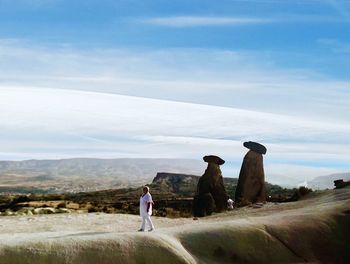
pixel 316 229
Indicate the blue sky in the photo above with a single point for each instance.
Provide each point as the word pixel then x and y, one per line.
pixel 283 65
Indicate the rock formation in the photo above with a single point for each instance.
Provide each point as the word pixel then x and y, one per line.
pixel 341 183
pixel 211 194
pixel 251 182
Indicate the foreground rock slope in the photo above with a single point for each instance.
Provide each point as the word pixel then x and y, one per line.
pixel 316 229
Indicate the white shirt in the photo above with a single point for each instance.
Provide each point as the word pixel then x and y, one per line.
pixel 230 204
pixel 144 200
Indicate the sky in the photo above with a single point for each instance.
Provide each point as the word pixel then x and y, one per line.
pixel 178 79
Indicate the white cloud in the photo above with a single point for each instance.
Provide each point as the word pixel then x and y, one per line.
pixel 196 21
pixel 217 77
pixel 205 21
pixel 302 117
pixel 61 123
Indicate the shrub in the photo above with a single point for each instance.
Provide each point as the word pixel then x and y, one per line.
pixel 304 190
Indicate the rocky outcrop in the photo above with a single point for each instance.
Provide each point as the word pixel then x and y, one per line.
pixel 341 183
pixel 211 194
pixel 327 181
pixel 179 184
pixel 251 182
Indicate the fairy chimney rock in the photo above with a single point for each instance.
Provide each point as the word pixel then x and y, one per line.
pixel 251 182
pixel 211 194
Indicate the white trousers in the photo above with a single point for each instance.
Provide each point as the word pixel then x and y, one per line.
pixel 146 219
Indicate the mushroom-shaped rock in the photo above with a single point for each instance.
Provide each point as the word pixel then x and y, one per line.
pixel 203 204
pixel 256 147
pixel 251 182
pixel 210 188
pixel 213 159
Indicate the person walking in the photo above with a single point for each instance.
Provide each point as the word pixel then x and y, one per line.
pixel 146 204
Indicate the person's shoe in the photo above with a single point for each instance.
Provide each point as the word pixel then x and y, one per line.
pixel 150 230
pixel 140 230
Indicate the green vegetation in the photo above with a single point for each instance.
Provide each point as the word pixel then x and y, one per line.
pixel 25 190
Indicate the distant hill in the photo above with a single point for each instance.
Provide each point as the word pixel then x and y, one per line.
pixel 87 174
pixel 186 185
pixel 327 182
pixel 172 192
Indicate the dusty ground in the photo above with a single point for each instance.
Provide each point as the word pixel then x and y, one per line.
pixel 316 229
pixel 37 227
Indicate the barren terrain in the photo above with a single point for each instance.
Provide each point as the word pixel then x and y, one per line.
pixel 315 229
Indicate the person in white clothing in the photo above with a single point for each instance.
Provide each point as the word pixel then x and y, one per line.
pixel 230 203
pixel 146 203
